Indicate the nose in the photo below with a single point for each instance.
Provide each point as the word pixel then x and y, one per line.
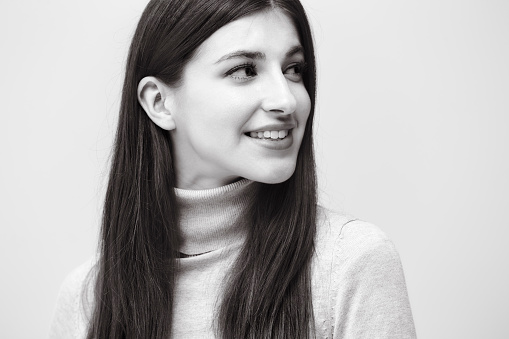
pixel 278 96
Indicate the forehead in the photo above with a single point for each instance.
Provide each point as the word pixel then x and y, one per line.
pixel 270 32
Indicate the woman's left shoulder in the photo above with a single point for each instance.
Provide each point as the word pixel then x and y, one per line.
pixel 359 288
pixel 337 231
pixel 344 243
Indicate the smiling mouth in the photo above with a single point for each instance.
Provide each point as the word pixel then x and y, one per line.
pixel 269 135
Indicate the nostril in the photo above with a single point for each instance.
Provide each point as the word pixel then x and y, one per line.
pixel 278 96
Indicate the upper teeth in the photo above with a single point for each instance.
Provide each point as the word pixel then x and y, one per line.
pixel 269 134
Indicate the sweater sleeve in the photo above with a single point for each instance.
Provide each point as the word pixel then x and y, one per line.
pixel 374 304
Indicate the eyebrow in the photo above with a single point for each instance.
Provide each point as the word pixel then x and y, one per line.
pixel 295 50
pixel 257 55
pixel 242 54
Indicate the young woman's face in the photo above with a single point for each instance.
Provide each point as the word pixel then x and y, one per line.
pixel 242 107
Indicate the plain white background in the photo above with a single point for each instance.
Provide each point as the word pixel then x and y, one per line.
pixel 411 134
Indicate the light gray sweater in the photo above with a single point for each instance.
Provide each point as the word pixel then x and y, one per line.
pixel 358 287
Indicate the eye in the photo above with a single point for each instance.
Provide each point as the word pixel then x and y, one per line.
pixel 295 71
pixel 243 72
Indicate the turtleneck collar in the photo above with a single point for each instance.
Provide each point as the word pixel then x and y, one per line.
pixel 211 219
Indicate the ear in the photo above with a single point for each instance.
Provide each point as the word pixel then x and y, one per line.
pixel 152 96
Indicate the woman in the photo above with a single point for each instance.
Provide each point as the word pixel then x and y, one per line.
pixel 210 226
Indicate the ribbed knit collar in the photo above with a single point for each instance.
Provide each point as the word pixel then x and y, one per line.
pixel 211 219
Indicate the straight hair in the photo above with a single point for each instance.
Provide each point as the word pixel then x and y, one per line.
pixel 269 286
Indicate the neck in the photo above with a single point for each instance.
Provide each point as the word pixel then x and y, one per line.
pixel 196 180
pixel 211 219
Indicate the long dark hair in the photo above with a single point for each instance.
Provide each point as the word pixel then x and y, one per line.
pixel 269 295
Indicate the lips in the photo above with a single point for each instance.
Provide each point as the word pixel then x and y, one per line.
pixel 272 132
pixel 277 144
pixel 272 135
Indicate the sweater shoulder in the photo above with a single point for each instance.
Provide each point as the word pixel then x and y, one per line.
pixel 73 305
pixel 358 282
pixel 74 281
pixel 336 231
pixel 345 244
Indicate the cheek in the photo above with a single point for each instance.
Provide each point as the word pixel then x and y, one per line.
pixel 225 109
pixel 216 120
pixel 303 105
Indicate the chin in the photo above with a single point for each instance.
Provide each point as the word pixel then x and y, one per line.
pixel 273 176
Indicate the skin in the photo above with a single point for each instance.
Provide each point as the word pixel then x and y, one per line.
pixel 245 77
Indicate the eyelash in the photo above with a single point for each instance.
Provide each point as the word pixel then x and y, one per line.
pixel 249 65
pixel 302 66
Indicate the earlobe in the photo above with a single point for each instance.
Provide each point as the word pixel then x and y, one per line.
pixel 152 96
